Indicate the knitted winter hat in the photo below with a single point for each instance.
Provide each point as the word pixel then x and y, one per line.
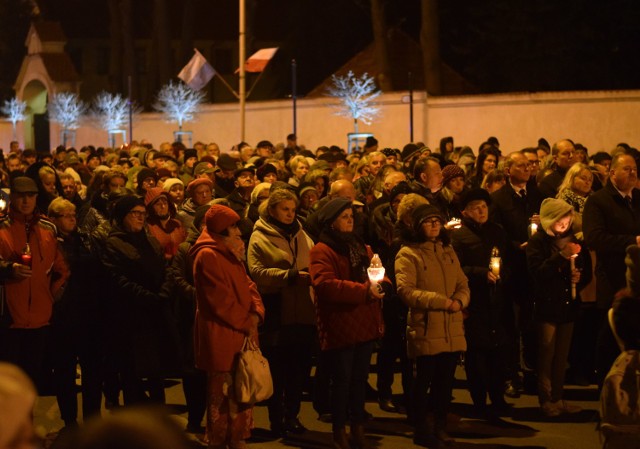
pixel 409 150
pixel 451 171
pixel 189 153
pixel 422 212
pixel 145 173
pixel 304 187
pixel 264 170
pixel 17 397
pixel 168 183
pixel 552 210
pixel 124 205
pixel 153 194
pixel 219 218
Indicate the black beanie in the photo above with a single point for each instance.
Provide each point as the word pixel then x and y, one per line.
pixel 422 212
pixel 145 173
pixel 124 205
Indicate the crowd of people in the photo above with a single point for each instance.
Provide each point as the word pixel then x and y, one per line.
pixel 144 263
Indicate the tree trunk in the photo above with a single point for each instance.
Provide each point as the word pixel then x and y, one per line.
pixel 379 24
pixel 115 57
pixel 188 24
pixel 430 41
pixel 162 45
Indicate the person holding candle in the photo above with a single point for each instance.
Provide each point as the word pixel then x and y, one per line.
pixel 432 284
pixel 348 308
pixel 549 259
pixel 27 305
pixel 514 207
pixel 480 245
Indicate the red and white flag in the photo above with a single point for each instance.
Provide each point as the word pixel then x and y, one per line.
pixel 259 60
pixel 198 72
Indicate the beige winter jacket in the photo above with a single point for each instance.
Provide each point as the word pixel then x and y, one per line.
pixel 427 274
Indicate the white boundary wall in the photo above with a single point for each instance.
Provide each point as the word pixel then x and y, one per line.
pixel 598 120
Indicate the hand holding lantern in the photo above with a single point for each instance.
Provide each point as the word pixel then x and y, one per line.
pixel 375 270
pixel 495 262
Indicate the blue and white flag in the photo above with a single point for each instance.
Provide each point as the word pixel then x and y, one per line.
pixel 198 72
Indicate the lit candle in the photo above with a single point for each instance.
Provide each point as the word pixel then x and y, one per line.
pixel 375 270
pixel 454 223
pixel 495 261
pixel 533 228
pixel 495 266
pixel 572 261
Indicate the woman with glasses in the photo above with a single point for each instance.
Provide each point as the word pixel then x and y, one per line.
pixel 432 284
pixel 141 340
pixel 162 223
pixel 76 329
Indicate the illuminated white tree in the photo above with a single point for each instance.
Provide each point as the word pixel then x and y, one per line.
pixel 15 110
pixel 356 96
pixel 66 109
pixel 111 111
pixel 178 102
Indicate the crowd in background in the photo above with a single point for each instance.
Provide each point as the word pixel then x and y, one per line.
pixel 147 262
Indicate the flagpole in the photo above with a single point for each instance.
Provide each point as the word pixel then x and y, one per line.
pixel 242 57
pixel 293 95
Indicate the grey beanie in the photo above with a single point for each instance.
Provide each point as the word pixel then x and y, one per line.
pixel 552 210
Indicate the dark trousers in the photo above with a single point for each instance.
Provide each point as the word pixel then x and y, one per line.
pixel 27 349
pixel 322 384
pixel 434 375
pixel 393 347
pixel 349 373
pixel 290 364
pixel 194 385
pixel 486 373
pixel 583 344
pixel 69 349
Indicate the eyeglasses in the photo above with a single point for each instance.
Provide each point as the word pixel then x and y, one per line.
pixel 433 222
pixel 138 213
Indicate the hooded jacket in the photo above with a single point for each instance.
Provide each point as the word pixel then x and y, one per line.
pixel 427 274
pixel 225 297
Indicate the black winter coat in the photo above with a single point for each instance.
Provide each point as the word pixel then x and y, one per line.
pixel 551 276
pixel 609 226
pixel 484 326
pixel 512 212
pixel 144 332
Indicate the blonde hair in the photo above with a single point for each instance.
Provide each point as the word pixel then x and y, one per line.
pixel 60 205
pixel 570 177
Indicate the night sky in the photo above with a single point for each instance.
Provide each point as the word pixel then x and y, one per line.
pixel 498 45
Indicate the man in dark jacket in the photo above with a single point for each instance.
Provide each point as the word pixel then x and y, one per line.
pixel 476 242
pixel 564 156
pixel 515 206
pixel 611 222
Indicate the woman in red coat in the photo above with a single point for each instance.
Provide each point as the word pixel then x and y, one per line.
pixel 229 309
pixel 349 316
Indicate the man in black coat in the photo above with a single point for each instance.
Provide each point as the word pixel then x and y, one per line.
pixel 611 222
pixel 564 156
pixel 487 340
pixel 515 206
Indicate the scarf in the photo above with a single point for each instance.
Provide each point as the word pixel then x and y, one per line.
pixel 350 245
pixel 286 230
